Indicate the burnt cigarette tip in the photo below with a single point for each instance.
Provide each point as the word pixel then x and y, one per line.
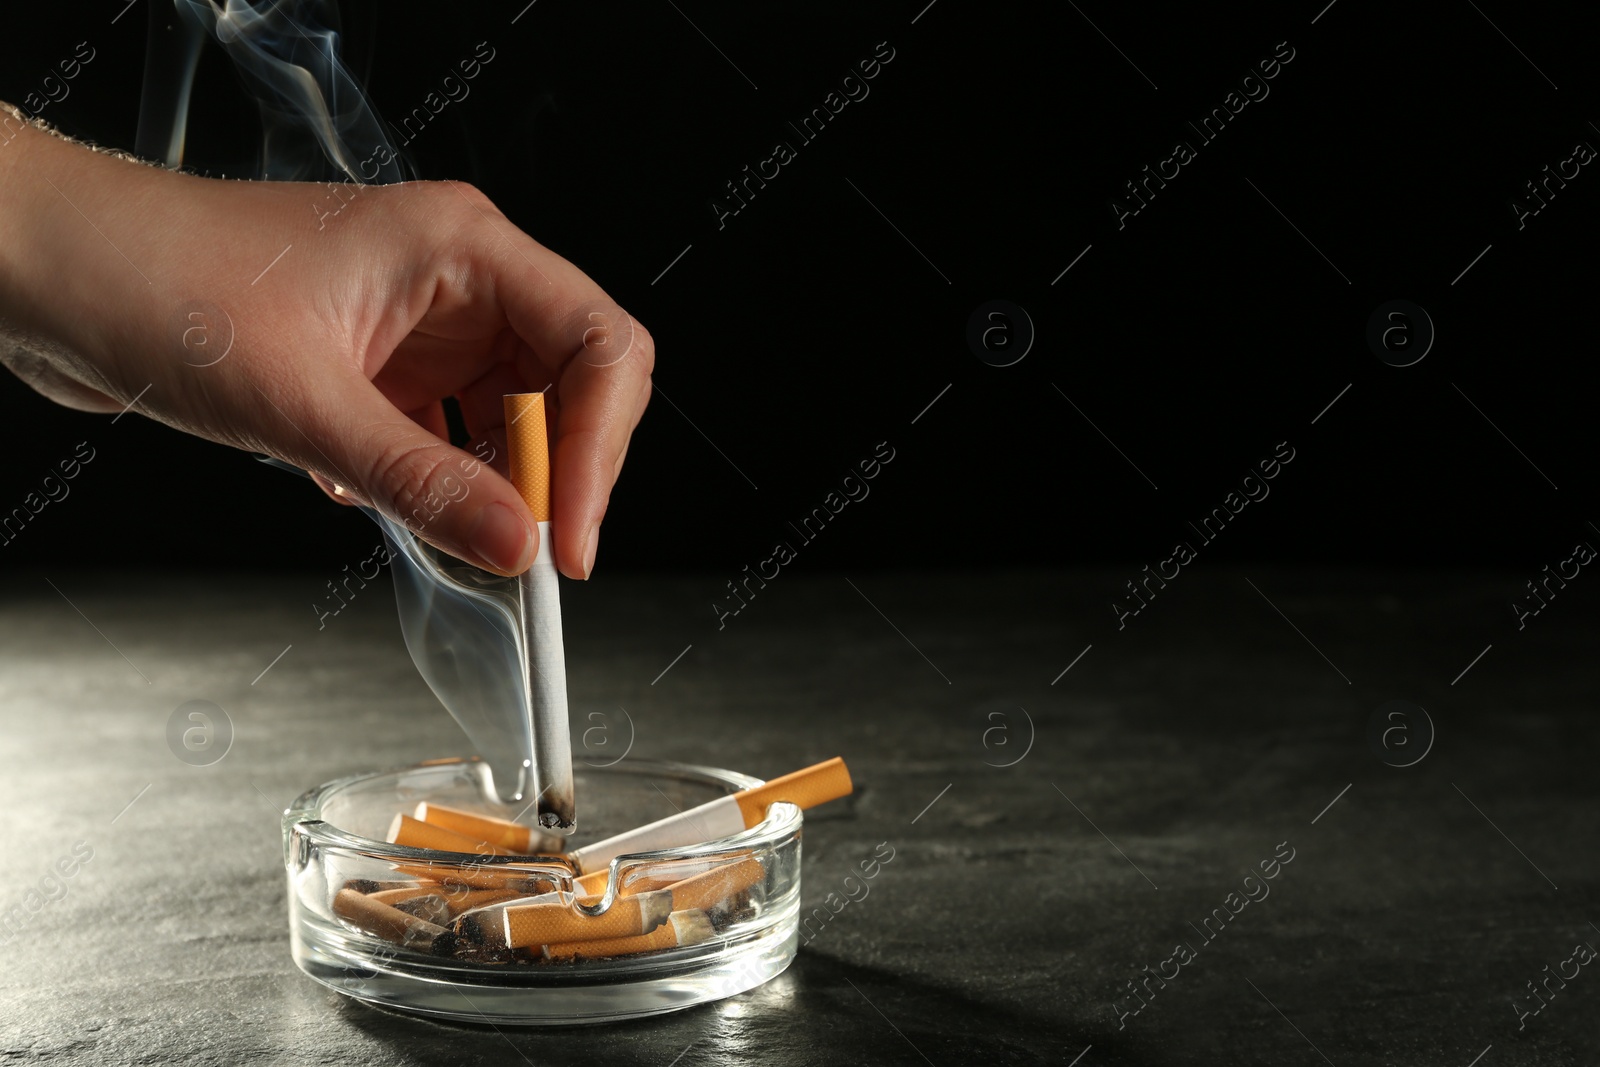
pixel 655 907
pixel 557 815
pixel 692 926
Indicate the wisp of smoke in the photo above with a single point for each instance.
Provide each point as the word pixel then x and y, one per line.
pixel 461 624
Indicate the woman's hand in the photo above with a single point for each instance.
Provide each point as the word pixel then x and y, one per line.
pixel 323 326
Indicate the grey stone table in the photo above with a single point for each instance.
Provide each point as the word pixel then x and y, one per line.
pixel 1225 724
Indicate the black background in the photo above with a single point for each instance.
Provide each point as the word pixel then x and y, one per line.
pixel 808 330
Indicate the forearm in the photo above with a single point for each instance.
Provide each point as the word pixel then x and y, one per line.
pixel 62 268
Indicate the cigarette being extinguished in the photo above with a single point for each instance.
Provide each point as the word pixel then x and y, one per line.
pixel 544 662
pixel 722 817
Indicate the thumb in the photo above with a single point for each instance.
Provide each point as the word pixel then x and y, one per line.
pixel 448 497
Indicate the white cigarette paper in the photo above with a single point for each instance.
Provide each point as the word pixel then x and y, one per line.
pixel 709 822
pixel 547 676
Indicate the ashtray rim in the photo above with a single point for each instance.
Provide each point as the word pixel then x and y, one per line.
pixel 304 815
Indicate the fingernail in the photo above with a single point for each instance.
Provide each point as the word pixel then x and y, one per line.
pixel 501 539
pixel 588 551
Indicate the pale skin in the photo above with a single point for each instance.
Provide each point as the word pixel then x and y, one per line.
pixel 341 352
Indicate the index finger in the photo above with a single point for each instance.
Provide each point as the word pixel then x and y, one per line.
pixel 601 359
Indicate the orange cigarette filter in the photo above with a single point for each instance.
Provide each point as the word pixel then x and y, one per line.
pixel 594 884
pixel 554 923
pixel 529 451
pixel 516 839
pixel 687 927
pixel 805 788
pixel 414 833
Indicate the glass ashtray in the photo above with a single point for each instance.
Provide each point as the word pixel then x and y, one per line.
pixel 524 940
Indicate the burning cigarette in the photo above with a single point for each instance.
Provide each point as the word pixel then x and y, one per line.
pixel 515 838
pixel 553 923
pixel 722 817
pixel 544 662
pixel 392 924
pixel 686 927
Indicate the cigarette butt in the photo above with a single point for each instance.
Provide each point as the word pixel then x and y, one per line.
pixel 396 897
pixel 716 887
pixel 430 906
pixel 485 924
pixel 684 927
pixel 553 923
pixel 414 833
pixel 392 924
pixel 516 839
pixel 506 877
pixel 722 817
pixel 369 885
pixel 465 900
pixel 483 927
